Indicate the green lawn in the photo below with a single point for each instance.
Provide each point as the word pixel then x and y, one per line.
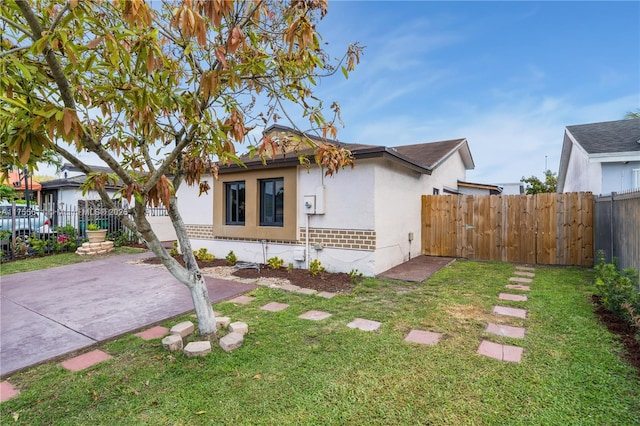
pixel 294 371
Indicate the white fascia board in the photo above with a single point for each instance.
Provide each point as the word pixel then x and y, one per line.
pixel 614 157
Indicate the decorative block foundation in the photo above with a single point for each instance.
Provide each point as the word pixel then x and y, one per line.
pixel 91 249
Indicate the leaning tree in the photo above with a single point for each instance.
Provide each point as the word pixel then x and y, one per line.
pixel 161 92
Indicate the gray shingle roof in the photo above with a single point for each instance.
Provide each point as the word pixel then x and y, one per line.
pixel 608 137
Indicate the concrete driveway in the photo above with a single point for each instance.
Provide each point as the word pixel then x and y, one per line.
pixel 52 312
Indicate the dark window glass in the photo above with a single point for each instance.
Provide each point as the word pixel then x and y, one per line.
pixel 234 203
pixel 272 202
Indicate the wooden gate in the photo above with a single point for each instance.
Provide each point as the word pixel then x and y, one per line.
pixel 554 229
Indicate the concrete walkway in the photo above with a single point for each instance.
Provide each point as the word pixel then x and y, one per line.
pixel 417 269
pixel 52 312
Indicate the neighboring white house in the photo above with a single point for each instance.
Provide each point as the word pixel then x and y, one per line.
pixel 601 157
pixel 367 218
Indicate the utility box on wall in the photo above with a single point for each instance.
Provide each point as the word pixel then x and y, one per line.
pixel 309 204
pixel 320 200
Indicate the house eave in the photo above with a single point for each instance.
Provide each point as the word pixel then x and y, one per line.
pixel 614 157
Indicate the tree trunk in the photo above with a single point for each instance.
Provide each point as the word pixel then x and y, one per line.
pixel 189 275
pixel 202 304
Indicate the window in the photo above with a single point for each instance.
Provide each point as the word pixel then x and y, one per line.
pixel 436 191
pixel 234 203
pixel 272 202
pixel 635 179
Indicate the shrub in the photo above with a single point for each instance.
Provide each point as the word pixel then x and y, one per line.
pixel 231 258
pixel 315 267
pixel 355 276
pixel 203 255
pixel 174 250
pixel 275 262
pixel 290 267
pixel 618 290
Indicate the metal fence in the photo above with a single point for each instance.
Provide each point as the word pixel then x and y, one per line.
pixel 19 223
pixel 617 228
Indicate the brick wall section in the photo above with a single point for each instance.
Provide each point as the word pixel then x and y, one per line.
pixel 341 238
pixel 200 232
pixel 351 239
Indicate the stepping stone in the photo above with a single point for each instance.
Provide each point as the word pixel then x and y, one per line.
pixel 243 300
pixel 290 287
pixel 231 341
pixel 183 329
pixel 153 333
pixel 172 343
pixel 525 268
pixel 518 287
pixel 423 337
pixel 315 315
pixel 239 327
pixel 511 312
pixel 364 324
pixel 500 352
pixel 194 349
pixel 524 274
pixel 326 294
pixel 307 291
pixel 506 330
pixel 223 321
pixel 274 307
pixel 84 361
pixel 514 297
pixel 520 280
pixel 7 391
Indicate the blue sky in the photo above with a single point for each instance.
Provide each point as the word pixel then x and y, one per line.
pixel 508 76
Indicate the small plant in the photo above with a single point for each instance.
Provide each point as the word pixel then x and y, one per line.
pixel 617 289
pixel 174 250
pixel 203 255
pixel 315 267
pixel 231 258
pixel 275 262
pixel 93 227
pixel 355 276
pixel 290 267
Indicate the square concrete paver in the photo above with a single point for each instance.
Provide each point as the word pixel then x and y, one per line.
pixel 524 274
pixel 518 287
pixel 506 330
pixel 84 361
pixel 243 300
pixel 423 337
pixel 307 291
pixel 520 280
pixel 7 391
pixel 514 297
pixel 364 324
pixel 153 333
pixel 315 315
pixel 512 312
pixel 500 352
pixel 274 307
pixel 326 294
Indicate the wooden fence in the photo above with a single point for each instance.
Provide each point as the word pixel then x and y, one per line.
pixel 554 229
pixel 617 228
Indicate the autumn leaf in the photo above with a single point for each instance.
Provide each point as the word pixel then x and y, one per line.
pixel 200 412
pixel 257 377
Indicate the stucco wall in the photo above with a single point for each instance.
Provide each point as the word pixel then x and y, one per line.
pixel 447 174
pixel 582 175
pixel 196 210
pixel 398 202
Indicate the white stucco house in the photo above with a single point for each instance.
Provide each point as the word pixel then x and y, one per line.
pixel 366 218
pixel 601 157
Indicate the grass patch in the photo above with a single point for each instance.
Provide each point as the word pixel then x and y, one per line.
pixel 293 371
pixel 60 259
